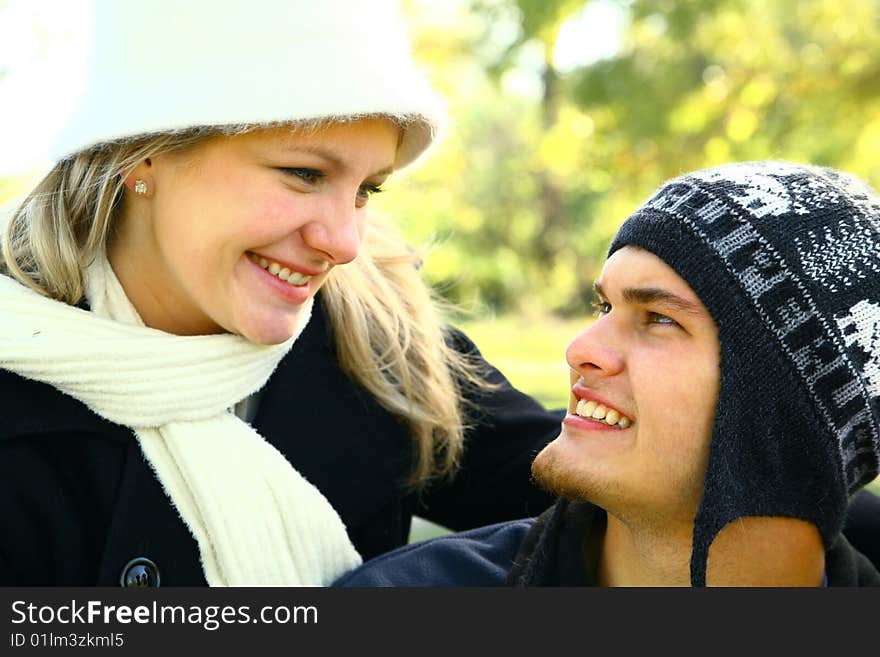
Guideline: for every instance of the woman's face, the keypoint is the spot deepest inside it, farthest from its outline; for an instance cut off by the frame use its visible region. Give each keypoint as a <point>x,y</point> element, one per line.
<point>208,248</point>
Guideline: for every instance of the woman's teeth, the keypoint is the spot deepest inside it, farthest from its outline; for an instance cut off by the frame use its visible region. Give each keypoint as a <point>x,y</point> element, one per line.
<point>599,412</point>
<point>292,277</point>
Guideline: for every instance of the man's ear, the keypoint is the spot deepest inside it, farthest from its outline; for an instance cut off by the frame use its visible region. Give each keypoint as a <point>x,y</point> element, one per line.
<point>139,180</point>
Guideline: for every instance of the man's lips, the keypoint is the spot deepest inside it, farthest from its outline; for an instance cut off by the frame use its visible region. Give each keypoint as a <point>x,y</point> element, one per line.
<point>593,406</point>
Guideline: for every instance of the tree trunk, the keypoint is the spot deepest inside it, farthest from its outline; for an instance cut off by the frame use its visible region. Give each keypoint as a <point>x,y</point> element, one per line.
<point>552,235</point>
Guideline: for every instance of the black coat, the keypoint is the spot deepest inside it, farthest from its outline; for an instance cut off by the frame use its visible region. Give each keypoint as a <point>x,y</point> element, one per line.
<point>78,500</point>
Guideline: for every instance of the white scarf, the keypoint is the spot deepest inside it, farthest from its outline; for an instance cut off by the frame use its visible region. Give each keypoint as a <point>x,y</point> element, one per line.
<point>256,519</point>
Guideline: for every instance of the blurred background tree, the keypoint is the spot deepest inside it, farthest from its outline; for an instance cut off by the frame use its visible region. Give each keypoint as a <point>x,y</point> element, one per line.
<point>568,113</point>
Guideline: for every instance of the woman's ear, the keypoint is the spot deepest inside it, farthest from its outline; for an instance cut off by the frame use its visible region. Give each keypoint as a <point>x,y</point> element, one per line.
<point>139,180</point>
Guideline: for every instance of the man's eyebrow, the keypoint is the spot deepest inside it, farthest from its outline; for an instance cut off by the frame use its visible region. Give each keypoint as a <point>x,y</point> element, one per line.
<point>333,158</point>
<point>645,295</point>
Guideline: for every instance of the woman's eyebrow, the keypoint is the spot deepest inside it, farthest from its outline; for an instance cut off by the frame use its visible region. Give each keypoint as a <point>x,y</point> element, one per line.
<point>644,295</point>
<point>336,160</point>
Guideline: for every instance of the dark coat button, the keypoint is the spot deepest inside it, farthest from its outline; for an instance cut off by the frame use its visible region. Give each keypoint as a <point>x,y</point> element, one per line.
<point>140,572</point>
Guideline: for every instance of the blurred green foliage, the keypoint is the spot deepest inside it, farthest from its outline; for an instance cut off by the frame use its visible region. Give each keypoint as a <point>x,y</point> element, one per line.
<point>541,164</point>
<point>530,353</point>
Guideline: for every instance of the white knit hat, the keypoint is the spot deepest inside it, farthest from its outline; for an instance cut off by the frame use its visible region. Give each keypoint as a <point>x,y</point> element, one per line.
<point>168,65</point>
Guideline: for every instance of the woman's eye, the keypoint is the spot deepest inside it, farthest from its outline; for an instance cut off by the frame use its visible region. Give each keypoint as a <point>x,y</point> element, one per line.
<point>366,190</point>
<point>601,307</point>
<point>657,318</point>
<point>309,176</point>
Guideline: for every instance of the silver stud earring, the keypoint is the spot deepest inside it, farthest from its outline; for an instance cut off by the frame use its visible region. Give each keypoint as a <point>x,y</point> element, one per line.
<point>140,186</point>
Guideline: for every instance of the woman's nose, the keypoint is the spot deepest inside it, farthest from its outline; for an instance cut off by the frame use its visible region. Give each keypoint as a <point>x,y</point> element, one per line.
<point>336,232</point>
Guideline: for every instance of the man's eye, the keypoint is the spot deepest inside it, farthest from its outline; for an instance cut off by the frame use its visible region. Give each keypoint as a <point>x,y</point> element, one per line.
<point>309,176</point>
<point>657,318</point>
<point>601,307</point>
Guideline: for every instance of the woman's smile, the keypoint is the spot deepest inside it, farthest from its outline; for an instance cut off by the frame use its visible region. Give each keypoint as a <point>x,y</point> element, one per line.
<point>295,294</point>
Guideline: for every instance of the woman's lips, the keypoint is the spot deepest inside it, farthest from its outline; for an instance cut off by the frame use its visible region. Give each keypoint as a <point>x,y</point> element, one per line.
<point>294,294</point>
<point>266,261</point>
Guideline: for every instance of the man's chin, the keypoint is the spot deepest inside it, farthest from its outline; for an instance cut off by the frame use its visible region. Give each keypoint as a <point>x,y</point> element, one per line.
<point>555,474</point>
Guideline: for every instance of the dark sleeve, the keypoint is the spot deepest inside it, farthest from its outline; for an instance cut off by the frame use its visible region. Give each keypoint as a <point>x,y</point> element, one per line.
<point>493,484</point>
<point>480,557</point>
<point>862,528</point>
<point>846,566</point>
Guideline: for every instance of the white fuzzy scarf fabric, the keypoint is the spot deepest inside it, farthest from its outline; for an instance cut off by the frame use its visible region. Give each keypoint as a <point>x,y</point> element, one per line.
<point>257,521</point>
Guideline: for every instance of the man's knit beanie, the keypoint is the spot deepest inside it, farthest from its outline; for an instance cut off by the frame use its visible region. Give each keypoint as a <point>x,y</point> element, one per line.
<point>165,66</point>
<point>786,258</point>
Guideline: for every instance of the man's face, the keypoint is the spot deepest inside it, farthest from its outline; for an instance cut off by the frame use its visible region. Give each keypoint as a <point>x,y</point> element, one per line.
<point>651,359</point>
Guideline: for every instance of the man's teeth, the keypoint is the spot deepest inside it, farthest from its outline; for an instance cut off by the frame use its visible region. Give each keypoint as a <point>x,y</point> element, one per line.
<point>599,412</point>
<point>292,277</point>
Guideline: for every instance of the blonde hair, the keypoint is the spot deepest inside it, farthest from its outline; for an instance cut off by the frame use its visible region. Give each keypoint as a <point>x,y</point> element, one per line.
<point>389,335</point>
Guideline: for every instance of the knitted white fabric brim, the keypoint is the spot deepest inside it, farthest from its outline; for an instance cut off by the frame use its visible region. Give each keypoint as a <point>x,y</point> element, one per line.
<point>160,66</point>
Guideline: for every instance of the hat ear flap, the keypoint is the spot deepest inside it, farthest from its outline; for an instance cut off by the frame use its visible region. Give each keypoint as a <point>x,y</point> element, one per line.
<point>765,458</point>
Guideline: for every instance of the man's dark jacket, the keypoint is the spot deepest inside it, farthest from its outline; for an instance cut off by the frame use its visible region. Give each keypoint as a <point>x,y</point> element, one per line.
<point>78,501</point>
<point>561,547</point>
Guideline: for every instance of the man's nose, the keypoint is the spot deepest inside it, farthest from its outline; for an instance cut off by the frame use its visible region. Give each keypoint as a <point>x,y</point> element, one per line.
<point>596,349</point>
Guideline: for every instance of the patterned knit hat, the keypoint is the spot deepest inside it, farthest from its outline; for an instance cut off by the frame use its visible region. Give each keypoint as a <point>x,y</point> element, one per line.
<point>158,66</point>
<point>786,258</point>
